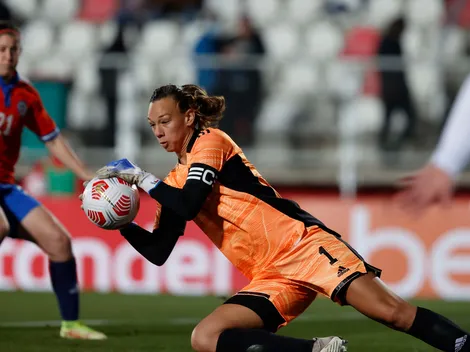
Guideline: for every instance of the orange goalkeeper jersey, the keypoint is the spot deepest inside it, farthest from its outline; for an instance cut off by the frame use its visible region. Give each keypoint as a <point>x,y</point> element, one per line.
<point>243,215</point>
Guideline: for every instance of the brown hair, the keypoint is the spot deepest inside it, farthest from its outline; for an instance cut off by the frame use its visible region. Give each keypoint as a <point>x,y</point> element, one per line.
<point>208,108</point>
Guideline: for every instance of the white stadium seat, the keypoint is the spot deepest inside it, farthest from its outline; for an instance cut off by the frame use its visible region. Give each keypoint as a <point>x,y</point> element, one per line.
<point>298,78</point>
<point>87,78</point>
<point>59,11</point>
<point>424,12</point>
<point>263,12</point>
<point>424,80</point>
<point>323,41</point>
<point>191,33</point>
<point>26,9</point>
<point>227,11</point>
<point>54,67</point>
<point>38,39</point>
<point>454,42</point>
<point>382,12</point>
<point>366,112</point>
<point>281,40</point>
<point>412,42</point>
<point>78,40</point>
<point>146,74</point>
<point>302,11</point>
<point>159,39</point>
<point>343,80</point>
<point>107,33</point>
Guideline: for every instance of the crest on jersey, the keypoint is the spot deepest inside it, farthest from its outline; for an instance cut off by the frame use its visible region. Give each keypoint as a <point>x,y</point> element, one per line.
<point>22,108</point>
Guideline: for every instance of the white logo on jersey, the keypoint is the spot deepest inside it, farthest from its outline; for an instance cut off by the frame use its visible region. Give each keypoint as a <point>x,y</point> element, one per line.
<point>200,174</point>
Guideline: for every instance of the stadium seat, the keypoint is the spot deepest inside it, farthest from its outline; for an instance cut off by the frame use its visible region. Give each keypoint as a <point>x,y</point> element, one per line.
<point>299,78</point>
<point>343,79</point>
<point>424,12</point>
<point>191,33</point>
<point>24,9</point>
<point>59,11</point>
<point>159,39</point>
<point>303,12</point>
<point>454,42</point>
<point>98,11</point>
<point>85,112</point>
<point>86,78</point>
<point>38,39</point>
<point>323,41</point>
<point>282,41</point>
<point>227,11</point>
<point>361,42</point>
<point>146,74</point>
<point>77,40</point>
<point>263,12</point>
<point>366,112</point>
<point>382,12</point>
<point>424,80</point>
<point>25,67</point>
<point>276,113</point>
<point>55,67</point>
<point>107,33</point>
<point>412,42</point>
<point>179,71</point>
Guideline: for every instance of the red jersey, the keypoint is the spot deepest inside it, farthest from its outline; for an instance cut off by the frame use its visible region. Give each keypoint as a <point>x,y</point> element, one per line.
<point>20,106</point>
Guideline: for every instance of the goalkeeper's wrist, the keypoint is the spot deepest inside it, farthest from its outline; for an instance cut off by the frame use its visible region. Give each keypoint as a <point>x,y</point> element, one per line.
<point>149,182</point>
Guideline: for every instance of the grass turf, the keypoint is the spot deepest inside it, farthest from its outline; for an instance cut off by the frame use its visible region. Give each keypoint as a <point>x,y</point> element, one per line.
<point>29,322</point>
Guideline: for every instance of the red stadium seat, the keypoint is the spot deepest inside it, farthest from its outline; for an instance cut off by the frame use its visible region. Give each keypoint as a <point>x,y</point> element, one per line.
<point>98,11</point>
<point>361,42</point>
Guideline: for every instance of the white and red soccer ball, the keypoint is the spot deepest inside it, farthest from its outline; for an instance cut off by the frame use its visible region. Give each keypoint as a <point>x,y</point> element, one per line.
<point>110,203</point>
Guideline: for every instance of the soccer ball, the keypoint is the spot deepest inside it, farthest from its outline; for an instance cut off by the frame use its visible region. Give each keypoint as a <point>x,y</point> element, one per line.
<point>110,203</point>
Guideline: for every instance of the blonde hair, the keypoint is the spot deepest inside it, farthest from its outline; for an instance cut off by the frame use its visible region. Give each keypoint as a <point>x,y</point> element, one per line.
<point>208,108</point>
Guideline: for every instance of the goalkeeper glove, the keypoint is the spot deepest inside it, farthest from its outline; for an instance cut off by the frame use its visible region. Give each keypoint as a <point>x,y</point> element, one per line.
<point>130,173</point>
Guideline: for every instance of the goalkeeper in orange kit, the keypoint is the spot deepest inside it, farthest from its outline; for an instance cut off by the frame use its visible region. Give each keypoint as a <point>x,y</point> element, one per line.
<point>288,255</point>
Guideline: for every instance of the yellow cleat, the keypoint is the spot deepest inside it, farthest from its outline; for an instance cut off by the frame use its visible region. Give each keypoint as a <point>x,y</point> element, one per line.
<point>77,330</point>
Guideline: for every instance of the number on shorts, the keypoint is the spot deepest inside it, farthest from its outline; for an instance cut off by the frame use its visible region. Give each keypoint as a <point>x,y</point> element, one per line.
<point>328,255</point>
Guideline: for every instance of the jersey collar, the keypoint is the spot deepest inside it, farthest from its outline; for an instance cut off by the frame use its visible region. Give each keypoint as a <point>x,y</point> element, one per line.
<point>7,87</point>
<point>192,140</point>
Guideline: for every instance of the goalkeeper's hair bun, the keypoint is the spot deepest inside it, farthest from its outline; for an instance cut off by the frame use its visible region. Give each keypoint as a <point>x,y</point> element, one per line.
<point>208,108</point>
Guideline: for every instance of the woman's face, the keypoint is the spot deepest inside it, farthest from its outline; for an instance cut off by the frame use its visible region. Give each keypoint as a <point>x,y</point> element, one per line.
<point>169,124</point>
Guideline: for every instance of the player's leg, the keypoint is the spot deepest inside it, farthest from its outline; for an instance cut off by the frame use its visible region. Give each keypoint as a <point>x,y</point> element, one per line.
<point>342,274</point>
<point>4,225</point>
<point>247,322</point>
<point>369,295</point>
<point>33,221</point>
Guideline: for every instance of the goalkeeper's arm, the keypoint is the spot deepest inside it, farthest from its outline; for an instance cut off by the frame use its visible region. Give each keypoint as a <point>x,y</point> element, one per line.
<point>156,246</point>
<point>188,201</point>
<point>453,150</point>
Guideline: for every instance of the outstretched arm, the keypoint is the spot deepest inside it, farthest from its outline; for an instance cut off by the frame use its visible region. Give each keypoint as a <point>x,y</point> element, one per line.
<point>434,183</point>
<point>59,148</point>
<point>453,150</point>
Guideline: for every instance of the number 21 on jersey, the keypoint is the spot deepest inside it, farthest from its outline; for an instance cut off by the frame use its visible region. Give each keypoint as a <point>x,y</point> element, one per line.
<point>5,124</point>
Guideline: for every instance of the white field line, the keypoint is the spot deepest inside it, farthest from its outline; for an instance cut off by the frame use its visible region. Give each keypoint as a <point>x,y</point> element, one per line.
<point>346,316</point>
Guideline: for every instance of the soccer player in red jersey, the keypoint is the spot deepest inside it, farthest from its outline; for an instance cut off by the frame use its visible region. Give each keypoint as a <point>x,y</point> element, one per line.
<point>22,216</point>
<point>289,255</point>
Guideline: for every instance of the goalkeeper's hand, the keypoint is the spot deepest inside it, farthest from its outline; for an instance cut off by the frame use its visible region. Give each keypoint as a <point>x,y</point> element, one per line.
<point>130,173</point>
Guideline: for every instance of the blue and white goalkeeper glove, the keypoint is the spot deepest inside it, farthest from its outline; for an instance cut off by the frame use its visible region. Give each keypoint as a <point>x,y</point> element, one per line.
<point>130,173</point>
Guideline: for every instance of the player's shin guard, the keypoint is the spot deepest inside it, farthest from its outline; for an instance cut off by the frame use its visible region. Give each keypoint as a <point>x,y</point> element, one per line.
<point>257,340</point>
<point>439,332</point>
<point>65,285</point>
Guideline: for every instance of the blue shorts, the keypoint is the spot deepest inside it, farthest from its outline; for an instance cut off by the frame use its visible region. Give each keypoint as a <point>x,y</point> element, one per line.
<point>16,204</point>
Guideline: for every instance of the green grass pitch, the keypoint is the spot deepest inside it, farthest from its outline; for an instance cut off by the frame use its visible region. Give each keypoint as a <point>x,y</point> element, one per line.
<point>28,322</point>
